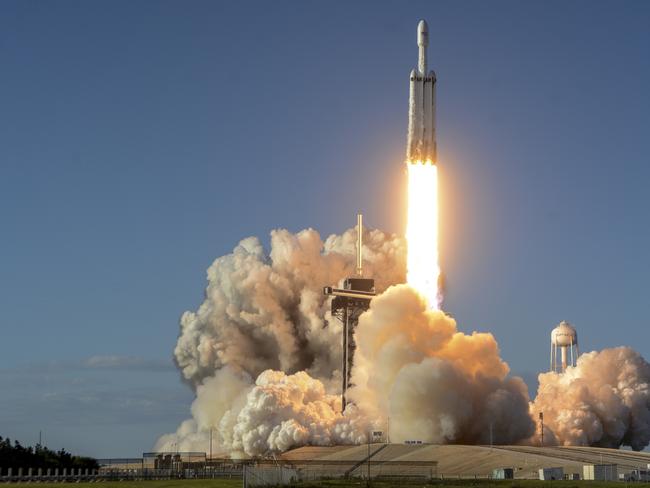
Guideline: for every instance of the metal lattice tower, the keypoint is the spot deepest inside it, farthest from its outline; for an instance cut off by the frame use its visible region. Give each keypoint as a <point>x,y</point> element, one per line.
<point>348,304</point>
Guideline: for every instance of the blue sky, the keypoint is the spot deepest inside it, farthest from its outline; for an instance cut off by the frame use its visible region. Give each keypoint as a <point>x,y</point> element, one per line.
<point>141,140</point>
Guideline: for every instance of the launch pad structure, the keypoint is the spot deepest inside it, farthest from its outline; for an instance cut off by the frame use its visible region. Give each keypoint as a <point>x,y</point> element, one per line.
<point>348,304</point>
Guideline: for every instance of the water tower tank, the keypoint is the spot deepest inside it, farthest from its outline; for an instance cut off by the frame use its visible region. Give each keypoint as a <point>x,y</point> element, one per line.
<point>565,339</point>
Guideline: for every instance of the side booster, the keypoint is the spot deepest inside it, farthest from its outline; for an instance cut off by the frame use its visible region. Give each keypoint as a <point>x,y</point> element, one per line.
<point>421,145</point>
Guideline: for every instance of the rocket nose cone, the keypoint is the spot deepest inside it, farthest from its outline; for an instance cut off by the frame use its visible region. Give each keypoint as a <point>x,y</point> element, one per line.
<point>423,33</point>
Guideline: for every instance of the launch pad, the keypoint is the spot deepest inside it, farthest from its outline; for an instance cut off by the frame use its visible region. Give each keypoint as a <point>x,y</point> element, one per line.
<point>463,461</point>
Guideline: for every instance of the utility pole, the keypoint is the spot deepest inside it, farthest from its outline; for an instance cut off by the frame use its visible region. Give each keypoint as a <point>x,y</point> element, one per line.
<point>211,472</point>
<point>541,421</point>
<point>369,433</point>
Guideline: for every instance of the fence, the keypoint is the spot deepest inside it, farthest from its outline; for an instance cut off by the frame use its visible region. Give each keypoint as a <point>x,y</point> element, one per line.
<point>13,475</point>
<point>256,473</point>
<point>169,465</point>
<point>284,473</point>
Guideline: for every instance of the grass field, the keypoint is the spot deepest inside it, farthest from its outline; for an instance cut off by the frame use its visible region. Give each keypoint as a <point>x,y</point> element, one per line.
<point>472,483</point>
<point>213,483</point>
<point>237,483</point>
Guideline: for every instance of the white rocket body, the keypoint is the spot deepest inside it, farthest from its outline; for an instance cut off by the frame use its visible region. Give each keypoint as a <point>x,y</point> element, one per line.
<point>421,144</point>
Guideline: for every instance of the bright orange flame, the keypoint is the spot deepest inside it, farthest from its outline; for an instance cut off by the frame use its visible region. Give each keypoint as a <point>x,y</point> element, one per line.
<point>423,271</point>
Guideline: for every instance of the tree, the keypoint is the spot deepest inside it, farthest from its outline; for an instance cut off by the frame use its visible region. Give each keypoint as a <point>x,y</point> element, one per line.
<point>39,456</point>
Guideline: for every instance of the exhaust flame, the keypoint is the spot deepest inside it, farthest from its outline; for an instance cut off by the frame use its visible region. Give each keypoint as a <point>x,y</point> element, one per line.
<point>423,270</point>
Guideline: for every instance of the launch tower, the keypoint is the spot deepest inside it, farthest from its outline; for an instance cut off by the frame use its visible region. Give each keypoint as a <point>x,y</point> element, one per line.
<point>348,304</point>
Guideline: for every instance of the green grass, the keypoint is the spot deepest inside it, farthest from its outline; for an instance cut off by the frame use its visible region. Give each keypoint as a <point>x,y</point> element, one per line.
<point>237,483</point>
<point>212,483</point>
<point>470,483</point>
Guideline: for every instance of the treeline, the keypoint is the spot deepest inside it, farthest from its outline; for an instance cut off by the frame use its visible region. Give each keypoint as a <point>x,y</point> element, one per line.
<point>18,456</point>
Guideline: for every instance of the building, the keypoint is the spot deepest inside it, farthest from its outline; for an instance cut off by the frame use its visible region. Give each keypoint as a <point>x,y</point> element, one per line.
<point>600,472</point>
<point>503,474</point>
<point>547,474</point>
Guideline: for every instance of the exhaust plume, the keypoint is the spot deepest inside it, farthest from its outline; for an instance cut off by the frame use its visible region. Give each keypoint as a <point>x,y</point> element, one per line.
<point>603,401</point>
<point>265,367</point>
<point>435,384</point>
<point>423,270</point>
<point>258,352</point>
<point>267,311</point>
<point>273,414</point>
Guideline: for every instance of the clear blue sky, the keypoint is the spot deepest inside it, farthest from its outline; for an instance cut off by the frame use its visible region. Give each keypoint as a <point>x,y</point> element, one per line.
<point>141,140</point>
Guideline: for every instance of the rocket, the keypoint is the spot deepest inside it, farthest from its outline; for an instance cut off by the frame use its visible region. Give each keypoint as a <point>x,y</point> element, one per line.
<point>421,144</point>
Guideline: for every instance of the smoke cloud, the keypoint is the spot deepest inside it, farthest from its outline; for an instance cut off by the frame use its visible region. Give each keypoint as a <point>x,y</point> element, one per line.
<point>263,356</point>
<point>603,401</point>
<point>435,384</point>
<point>274,414</point>
<point>262,351</point>
<point>267,311</point>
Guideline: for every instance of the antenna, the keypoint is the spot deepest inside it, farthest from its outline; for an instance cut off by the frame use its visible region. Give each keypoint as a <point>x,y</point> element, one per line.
<point>360,244</point>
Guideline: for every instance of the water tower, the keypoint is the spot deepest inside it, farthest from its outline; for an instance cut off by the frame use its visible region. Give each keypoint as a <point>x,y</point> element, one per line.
<point>565,338</point>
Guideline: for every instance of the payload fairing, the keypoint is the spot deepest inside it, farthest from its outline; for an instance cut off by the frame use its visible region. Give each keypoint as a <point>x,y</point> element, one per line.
<point>421,145</point>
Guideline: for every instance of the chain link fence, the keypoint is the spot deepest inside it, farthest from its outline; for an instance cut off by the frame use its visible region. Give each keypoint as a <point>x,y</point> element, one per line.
<point>281,473</point>
<point>169,465</point>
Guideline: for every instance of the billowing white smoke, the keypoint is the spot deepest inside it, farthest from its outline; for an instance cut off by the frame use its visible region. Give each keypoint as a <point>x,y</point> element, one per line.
<point>267,311</point>
<point>433,383</point>
<point>266,368</point>
<point>603,401</point>
<point>264,315</point>
<point>276,413</point>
